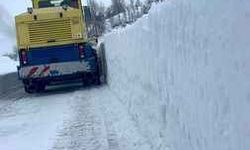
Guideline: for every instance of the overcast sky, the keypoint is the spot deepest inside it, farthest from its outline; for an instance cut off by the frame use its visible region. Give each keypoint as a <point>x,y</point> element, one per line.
<point>17,6</point>
<point>8,10</point>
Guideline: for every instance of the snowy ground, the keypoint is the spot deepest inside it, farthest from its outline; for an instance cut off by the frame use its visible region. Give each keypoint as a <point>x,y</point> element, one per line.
<point>31,123</point>
<point>7,65</point>
<point>178,79</point>
<point>68,120</point>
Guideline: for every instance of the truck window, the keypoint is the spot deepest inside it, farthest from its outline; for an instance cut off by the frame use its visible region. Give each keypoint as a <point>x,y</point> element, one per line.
<point>57,3</point>
<point>45,4</point>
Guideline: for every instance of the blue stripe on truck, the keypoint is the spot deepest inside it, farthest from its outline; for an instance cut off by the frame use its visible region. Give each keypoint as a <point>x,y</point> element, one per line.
<point>53,54</point>
<point>64,60</point>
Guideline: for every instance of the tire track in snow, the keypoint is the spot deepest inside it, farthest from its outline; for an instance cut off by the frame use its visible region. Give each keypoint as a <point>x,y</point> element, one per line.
<point>111,134</point>
<point>89,128</point>
<point>84,131</point>
<point>121,130</point>
<point>112,138</point>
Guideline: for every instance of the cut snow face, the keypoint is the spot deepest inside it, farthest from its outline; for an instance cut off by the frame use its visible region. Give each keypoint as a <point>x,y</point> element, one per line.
<point>183,74</point>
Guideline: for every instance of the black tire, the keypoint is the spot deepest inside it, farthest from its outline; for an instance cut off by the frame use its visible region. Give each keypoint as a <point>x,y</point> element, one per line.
<point>85,80</point>
<point>40,87</point>
<point>96,79</point>
<point>91,79</point>
<point>102,64</point>
<point>29,89</point>
<point>34,87</point>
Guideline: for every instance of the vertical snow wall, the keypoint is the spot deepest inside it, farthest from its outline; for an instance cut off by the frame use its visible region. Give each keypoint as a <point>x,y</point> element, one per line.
<point>183,74</point>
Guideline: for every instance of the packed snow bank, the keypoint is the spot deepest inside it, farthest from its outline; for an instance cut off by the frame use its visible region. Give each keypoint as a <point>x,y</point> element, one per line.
<point>183,74</point>
<point>7,65</point>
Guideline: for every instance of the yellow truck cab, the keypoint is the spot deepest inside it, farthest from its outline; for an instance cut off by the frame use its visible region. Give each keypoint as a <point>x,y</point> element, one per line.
<point>53,47</point>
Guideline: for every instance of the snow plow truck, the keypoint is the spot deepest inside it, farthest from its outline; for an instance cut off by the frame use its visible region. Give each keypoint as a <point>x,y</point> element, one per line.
<point>54,48</point>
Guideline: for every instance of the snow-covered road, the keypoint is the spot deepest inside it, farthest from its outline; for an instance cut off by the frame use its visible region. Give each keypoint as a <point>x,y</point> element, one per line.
<point>177,79</point>
<point>66,118</point>
<point>31,122</point>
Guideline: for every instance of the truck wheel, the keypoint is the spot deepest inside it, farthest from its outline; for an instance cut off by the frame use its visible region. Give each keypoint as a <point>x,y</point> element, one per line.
<point>96,79</point>
<point>91,79</point>
<point>102,64</point>
<point>86,80</point>
<point>29,88</point>
<point>40,87</point>
<point>36,87</point>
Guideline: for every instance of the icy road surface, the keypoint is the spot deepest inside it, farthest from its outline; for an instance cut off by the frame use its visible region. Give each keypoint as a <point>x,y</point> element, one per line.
<point>71,118</point>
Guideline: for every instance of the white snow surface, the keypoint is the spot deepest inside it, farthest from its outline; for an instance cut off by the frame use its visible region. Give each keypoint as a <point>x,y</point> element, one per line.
<point>32,123</point>
<point>182,72</point>
<point>7,65</point>
<point>177,79</point>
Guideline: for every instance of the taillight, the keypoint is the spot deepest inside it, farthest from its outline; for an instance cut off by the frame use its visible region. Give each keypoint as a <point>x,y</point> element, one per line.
<point>24,58</point>
<point>81,51</point>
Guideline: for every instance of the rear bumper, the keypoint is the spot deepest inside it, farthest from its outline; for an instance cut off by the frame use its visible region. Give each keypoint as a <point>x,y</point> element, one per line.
<point>54,70</point>
<point>58,80</point>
